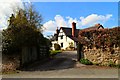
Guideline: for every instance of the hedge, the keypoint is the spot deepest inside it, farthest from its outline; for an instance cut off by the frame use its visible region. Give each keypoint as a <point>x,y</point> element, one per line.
<point>101,38</point>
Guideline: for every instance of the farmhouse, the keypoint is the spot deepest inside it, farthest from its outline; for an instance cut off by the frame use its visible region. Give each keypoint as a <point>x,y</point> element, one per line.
<point>67,37</point>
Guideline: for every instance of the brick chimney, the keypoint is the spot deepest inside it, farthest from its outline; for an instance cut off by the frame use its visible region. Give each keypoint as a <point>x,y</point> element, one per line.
<point>57,31</point>
<point>73,29</point>
<point>97,25</point>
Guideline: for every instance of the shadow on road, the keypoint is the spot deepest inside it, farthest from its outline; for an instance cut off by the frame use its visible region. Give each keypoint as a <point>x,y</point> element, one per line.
<point>63,60</point>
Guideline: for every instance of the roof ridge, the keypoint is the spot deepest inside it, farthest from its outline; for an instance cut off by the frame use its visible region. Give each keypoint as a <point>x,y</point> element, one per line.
<point>68,28</point>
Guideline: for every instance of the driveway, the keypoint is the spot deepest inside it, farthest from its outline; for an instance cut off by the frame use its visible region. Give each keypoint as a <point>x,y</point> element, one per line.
<point>64,65</point>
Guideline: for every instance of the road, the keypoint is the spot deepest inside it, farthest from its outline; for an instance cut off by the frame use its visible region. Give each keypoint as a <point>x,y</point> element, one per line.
<point>64,65</point>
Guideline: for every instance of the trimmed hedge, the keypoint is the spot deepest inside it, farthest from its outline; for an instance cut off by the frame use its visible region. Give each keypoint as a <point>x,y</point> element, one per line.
<point>101,38</point>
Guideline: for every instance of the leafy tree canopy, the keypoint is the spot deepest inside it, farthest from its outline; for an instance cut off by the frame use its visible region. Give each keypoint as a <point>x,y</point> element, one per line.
<point>24,29</point>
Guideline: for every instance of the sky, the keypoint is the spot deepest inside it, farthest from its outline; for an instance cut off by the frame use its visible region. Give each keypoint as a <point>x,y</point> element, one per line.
<point>85,14</point>
<point>62,14</point>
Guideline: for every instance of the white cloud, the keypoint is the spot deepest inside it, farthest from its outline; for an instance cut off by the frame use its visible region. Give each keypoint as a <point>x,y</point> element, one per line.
<point>70,20</point>
<point>50,26</point>
<point>94,18</point>
<point>7,7</point>
<point>60,21</point>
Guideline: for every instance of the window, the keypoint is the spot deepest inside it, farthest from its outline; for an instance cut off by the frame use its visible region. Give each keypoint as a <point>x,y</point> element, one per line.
<point>62,37</point>
<point>61,44</point>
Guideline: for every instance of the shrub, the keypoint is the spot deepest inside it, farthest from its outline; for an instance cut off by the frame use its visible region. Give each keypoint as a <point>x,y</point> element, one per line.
<point>112,64</point>
<point>85,61</point>
<point>55,52</point>
<point>57,46</point>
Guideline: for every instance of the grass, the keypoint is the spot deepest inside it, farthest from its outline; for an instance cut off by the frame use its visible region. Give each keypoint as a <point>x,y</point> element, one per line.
<point>52,53</point>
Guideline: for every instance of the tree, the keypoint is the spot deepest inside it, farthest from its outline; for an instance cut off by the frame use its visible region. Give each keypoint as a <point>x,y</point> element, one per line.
<point>48,42</point>
<point>24,29</point>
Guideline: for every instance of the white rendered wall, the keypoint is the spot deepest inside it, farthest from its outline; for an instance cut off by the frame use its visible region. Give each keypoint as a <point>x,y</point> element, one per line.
<point>66,40</point>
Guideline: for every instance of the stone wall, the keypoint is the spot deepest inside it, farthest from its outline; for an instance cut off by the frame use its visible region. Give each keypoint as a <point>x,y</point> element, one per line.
<point>106,57</point>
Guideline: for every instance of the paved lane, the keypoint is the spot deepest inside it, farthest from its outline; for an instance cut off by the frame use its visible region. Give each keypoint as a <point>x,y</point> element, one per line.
<point>63,60</point>
<point>63,65</point>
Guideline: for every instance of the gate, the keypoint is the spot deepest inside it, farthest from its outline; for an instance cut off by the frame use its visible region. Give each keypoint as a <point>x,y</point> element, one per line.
<point>79,51</point>
<point>32,54</point>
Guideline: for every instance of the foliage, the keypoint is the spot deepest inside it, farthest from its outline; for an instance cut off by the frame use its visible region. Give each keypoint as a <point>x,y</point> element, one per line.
<point>85,61</point>
<point>112,64</point>
<point>24,29</point>
<point>48,42</point>
<point>55,52</point>
<point>71,45</point>
<point>103,38</point>
<point>57,46</point>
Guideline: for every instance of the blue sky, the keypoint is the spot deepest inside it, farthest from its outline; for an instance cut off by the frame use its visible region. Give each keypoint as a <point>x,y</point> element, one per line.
<point>84,13</point>
<point>58,14</point>
<point>75,9</point>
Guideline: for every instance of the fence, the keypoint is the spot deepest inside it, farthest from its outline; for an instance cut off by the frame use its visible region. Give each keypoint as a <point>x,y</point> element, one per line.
<point>31,54</point>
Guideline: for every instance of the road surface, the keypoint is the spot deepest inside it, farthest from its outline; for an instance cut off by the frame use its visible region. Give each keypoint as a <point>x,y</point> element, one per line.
<point>64,65</point>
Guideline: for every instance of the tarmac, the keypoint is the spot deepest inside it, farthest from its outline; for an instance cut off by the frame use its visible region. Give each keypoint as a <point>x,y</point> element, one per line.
<point>64,66</point>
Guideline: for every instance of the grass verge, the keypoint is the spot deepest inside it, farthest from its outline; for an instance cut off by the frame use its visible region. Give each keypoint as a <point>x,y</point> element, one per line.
<point>52,53</point>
